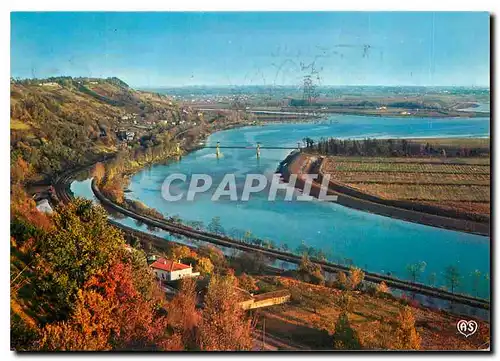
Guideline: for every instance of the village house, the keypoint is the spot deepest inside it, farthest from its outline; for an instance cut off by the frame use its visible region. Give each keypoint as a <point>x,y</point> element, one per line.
<point>44,206</point>
<point>50,83</point>
<point>168,270</point>
<point>125,135</point>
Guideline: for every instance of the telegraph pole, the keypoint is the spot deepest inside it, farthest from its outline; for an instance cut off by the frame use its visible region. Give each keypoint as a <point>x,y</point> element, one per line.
<point>264,335</point>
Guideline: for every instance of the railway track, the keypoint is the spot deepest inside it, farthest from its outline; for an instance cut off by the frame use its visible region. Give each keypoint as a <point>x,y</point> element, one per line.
<point>62,183</point>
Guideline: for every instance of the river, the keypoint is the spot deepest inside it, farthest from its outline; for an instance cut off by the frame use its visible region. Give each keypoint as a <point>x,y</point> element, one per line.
<point>376,243</point>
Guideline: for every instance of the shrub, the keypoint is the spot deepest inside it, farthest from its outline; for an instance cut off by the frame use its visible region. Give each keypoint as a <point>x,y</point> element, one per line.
<point>345,337</point>
<point>310,272</point>
<point>342,281</point>
<point>356,277</point>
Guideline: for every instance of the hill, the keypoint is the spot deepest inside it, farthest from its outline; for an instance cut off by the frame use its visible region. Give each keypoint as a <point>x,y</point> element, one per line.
<point>64,122</point>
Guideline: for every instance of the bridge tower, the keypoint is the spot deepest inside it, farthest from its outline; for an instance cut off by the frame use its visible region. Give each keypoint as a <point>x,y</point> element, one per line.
<point>258,150</point>
<point>217,150</point>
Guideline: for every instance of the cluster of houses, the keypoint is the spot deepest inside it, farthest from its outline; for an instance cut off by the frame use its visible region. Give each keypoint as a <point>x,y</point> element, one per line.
<point>125,135</point>
<point>129,116</point>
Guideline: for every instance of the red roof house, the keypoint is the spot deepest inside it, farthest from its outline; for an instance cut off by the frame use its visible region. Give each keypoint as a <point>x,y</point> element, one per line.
<point>169,270</point>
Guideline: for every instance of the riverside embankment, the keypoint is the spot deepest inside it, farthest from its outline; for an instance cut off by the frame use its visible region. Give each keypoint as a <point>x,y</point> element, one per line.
<point>303,164</point>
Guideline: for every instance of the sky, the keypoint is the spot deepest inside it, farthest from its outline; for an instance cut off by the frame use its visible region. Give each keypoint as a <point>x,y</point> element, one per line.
<point>164,49</point>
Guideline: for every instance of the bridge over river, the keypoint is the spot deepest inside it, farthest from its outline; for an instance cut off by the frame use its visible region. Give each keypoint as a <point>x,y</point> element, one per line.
<point>258,147</point>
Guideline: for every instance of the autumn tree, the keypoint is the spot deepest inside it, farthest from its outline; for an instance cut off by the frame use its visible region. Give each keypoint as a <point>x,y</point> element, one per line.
<point>406,336</point>
<point>342,281</point>
<point>215,255</point>
<point>224,326</point>
<point>20,170</point>
<point>111,315</point>
<point>247,282</point>
<point>26,220</point>
<point>382,288</point>
<point>356,277</point>
<point>88,330</point>
<point>204,266</point>
<point>113,188</point>
<point>178,252</point>
<point>345,301</point>
<point>183,316</point>
<point>98,172</point>
<point>249,262</point>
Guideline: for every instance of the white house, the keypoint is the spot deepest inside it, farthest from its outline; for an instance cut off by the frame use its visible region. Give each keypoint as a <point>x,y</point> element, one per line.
<point>44,206</point>
<point>168,270</point>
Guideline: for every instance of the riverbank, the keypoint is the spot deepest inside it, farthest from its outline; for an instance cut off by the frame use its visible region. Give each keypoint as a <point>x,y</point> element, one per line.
<point>313,113</point>
<point>222,240</point>
<point>176,228</point>
<point>302,164</point>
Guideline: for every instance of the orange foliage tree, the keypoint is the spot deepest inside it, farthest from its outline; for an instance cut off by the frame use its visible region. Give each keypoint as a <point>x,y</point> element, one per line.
<point>407,337</point>
<point>19,171</point>
<point>224,326</point>
<point>99,172</point>
<point>183,316</point>
<point>111,315</point>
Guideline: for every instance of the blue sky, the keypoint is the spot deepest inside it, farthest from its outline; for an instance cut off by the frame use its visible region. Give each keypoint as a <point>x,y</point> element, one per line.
<point>172,49</point>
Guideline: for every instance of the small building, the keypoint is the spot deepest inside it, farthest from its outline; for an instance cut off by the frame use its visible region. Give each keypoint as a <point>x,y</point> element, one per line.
<point>125,135</point>
<point>168,270</point>
<point>44,206</point>
<point>267,299</point>
<point>130,135</point>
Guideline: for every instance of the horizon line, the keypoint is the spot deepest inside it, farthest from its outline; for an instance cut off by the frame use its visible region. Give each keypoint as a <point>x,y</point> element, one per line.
<point>317,86</point>
<point>488,86</point>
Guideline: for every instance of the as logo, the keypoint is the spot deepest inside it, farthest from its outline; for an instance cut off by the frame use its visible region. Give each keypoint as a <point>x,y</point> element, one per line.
<point>467,328</point>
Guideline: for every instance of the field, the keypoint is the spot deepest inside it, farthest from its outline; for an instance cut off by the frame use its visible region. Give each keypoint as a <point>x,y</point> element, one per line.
<point>308,320</point>
<point>461,184</point>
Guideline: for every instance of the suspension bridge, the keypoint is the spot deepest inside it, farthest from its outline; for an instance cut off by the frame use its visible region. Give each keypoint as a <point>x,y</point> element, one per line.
<point>258,147</point>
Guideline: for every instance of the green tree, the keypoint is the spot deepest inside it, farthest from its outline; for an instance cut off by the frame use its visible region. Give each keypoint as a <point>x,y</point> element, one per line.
<point>476,279</point>
<point>345,301</point>
<point>415,270</point>
<point>310,272</point>
<point>247,237</point>
<point>452,277</point>
<point>432,279</point>
<point>215,226</point>
<point>345,337</point>
<point>81,243</point>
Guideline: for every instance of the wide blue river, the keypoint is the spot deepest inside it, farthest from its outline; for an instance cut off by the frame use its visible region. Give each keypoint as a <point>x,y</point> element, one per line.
<point>370,241</point>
